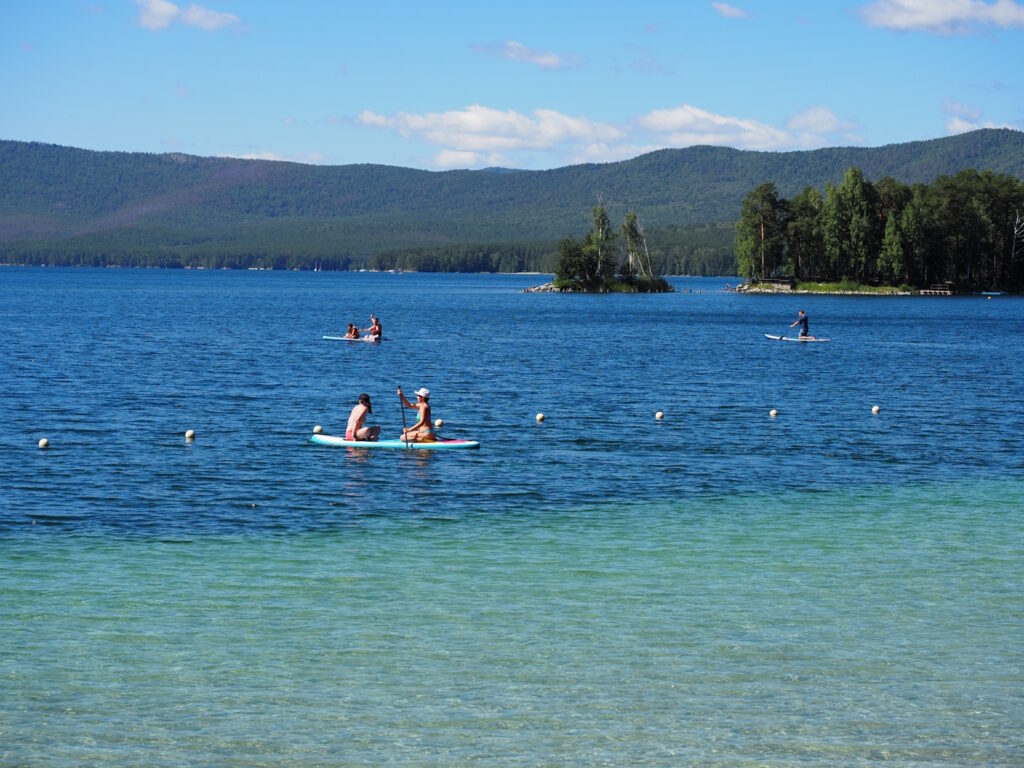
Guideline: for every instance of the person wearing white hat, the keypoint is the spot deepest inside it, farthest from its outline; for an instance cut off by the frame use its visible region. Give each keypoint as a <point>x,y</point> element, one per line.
<point>423,430</point>
<point>375,330</point>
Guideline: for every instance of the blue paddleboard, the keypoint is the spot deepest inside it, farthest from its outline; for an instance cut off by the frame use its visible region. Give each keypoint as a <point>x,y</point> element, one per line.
<point>437,445</point>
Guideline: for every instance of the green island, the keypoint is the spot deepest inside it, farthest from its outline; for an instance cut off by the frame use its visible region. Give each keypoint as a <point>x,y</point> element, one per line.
<point>961,233</point>
<point>590,265</point>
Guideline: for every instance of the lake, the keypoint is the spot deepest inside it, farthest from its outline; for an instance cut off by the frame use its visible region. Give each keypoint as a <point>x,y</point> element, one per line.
<point>828,586</point>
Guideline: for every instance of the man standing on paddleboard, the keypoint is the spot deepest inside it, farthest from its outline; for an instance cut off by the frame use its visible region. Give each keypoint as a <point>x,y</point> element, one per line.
<point>801,320</point>
<point>356,429</point>
<point>423,430</point>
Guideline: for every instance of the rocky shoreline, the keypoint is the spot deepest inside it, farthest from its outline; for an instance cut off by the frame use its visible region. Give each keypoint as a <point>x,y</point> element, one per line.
<point>785,289</point>
<point>759,288</point>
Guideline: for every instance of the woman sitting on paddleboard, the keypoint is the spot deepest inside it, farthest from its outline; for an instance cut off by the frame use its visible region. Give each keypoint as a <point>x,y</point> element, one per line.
<point>356,429</point>
<point>353,332</point>
<point>423,430</point>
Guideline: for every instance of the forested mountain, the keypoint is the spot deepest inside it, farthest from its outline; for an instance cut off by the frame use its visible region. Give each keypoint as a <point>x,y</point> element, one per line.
<point>65,205</point>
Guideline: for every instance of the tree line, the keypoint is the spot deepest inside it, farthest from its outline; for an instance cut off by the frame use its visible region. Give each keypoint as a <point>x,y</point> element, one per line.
<point>704,249</point>
<point>965,230</point>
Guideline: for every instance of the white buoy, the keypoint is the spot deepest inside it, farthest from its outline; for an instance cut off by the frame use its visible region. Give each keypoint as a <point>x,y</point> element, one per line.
<point>540,417</point>
<point>438,423</point>
<point>190,434</point>
<point>44,443</point>
<point>659,415</point>
<point>773,413</point>
<point>875,409</point>
<point>317,429</point>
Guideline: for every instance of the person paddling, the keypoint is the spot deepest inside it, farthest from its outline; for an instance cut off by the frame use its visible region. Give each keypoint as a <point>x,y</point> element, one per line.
<point>375,330</point>
<point>801,320</point>
<point>357,429</point>
<point>423,430</point>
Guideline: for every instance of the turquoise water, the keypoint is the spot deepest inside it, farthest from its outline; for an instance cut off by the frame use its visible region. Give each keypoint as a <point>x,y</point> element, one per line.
<point>828,587</point>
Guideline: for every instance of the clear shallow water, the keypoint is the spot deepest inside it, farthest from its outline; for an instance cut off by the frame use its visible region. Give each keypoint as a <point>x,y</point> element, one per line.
<point>824,588</point>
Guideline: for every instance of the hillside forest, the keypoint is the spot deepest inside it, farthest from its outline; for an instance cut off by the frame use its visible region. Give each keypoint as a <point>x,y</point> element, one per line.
<point>68,206</point>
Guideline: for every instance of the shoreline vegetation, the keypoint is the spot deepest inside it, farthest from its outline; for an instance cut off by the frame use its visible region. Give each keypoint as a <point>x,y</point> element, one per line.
<point>826,289</point>
<point>959,234</point>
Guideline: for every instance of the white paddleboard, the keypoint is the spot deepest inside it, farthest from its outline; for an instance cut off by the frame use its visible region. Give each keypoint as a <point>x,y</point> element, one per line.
<point>346,338</point>
<point>804,339</point>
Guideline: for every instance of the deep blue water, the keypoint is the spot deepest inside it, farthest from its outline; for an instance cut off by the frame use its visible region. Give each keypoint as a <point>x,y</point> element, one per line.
<point>826,587</point>
<point>114,366</point>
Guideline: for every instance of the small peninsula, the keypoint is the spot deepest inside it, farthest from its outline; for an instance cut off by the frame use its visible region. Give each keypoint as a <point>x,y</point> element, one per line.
<point>959,234</point>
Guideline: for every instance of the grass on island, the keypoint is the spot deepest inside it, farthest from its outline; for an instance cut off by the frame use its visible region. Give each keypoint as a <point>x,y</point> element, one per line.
<point>851,286</point>
<point>635,285</point>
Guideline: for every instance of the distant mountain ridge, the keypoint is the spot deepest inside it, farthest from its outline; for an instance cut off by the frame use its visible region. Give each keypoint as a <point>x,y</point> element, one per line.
<point>62,199</point>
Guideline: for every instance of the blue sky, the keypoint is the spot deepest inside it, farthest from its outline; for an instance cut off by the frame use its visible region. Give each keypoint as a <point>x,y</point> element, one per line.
<point>525,84</point>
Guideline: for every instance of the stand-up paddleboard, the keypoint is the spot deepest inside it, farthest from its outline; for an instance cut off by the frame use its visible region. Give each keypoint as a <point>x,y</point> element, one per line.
<point>805,339</point>
<point>346,338</point>
<point>437,445</point>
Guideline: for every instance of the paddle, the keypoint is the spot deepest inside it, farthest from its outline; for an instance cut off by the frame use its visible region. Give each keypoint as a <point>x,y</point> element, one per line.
<point>405,433</point>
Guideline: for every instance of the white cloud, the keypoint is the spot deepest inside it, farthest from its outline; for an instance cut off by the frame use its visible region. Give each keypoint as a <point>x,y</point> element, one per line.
<point>960,110</point>
<point>964,118</point>
<point>687,125</point>
<point>477,135</point>
<point>815,119</point>
<point>482,129</point>
<point>160,14</point>
<point>516,51</point>
<point>156,14</point>
<point>308,158</point>
<point>452,158</point>
<point>958,125</point>
<point>944,17</point>
<point>204,18</point>
<point>730,11</point>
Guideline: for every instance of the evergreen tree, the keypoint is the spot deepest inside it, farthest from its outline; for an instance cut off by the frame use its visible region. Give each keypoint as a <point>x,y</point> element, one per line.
<point>891,260</point>
<point>803,233</point>
<point>569,267</point>
<point>759,240</point>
